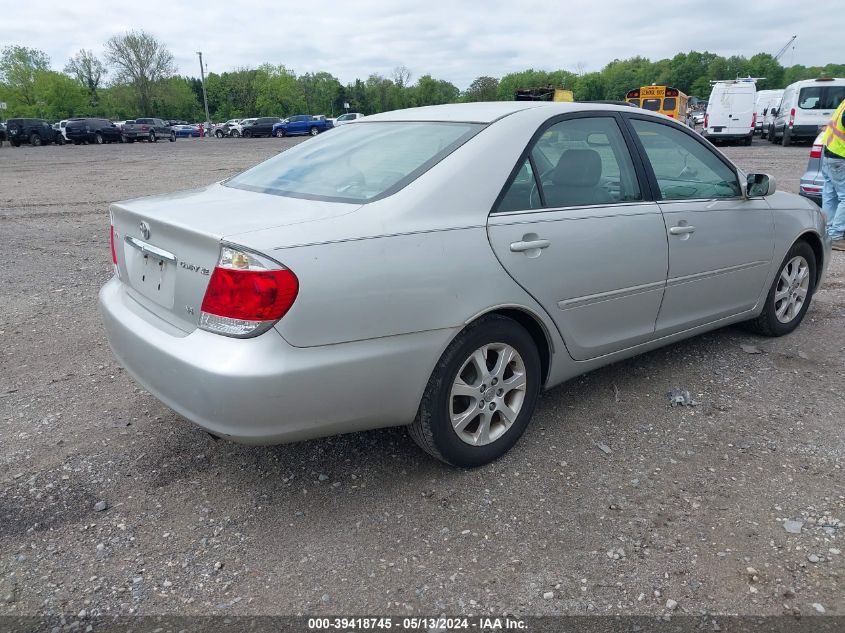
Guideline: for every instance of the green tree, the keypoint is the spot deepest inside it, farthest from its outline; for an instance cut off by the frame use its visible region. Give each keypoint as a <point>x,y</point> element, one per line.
<point>278,93</point>
<point>59,97</point>
<point>140,60</point>
<point>482,89</point>
<point>18,69</point>
<point>431,91</point>
<point>88,70</point>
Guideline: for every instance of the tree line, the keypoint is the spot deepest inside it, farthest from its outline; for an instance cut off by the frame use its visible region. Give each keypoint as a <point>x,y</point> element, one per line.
<point>137,77</point>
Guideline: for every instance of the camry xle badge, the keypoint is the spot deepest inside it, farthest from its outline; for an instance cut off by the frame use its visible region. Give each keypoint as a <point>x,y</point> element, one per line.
<point>145,230</point>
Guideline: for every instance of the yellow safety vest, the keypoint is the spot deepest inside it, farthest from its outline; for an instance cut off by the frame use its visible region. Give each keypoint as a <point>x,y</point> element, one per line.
<point>834,134</point>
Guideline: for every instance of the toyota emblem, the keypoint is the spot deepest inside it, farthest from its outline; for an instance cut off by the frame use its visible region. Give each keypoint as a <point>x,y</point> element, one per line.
<point>145,230</point>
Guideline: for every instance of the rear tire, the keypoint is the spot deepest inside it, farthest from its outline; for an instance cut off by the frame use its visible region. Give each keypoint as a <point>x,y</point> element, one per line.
<point>786,139</point>
<point>796,276</point>
<point>510,387</point>
<point>247,134</point>
<point>280,133</point>
<point>235,134</point>
<point>219,134</point>
<point>153,138</point>
<point>313,131</point>
<point>173,137</point>
<point>35,139</point>
<point>748,139</point>
<point>98,138</point>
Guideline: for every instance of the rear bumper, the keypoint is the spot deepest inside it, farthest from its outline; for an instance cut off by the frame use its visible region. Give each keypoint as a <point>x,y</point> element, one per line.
<point>811,187</point>
<point>721,136</point>
<point>263,390</point>
<point>804,131</point>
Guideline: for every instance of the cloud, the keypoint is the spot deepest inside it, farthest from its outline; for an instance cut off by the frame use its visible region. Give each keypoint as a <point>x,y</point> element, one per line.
<point>454,40</point>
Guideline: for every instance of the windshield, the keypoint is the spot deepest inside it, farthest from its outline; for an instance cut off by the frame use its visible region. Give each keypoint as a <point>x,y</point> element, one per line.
<point>357,163</point>
<point>821,97</point>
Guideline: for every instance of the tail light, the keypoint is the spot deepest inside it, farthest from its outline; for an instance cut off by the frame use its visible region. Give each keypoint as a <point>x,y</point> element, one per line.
<point>706,119</point>
<point>754,121</point>
<point>791,117</point>
<point>816,151</point>
<point>144,128</point>
<point>113,250</point>
<point>671,115</point>
<point>247,294</point>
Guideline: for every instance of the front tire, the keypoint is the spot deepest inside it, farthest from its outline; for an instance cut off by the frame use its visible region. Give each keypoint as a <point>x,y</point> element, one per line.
<point>35,140</point>
<point>280,133</point>
<point>173,137</point>
<point>313,131</point>
<point>235,134</point>
<point>98,138</point>
<point>219,134</point>
<point>153,138</point>
<point>481,395</point>
<point>789,297</point>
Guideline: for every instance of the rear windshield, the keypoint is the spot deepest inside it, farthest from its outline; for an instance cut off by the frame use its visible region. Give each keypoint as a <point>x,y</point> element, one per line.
<point>821,97</point>
<point>144,121</point>
<point>669,103</point>
<point>357,163</point>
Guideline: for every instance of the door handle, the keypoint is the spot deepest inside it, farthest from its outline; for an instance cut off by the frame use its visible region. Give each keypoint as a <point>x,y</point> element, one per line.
<point>681,230</point>
<point>531,245</point>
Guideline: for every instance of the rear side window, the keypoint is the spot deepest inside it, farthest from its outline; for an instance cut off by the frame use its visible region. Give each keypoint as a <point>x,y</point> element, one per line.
<point>357,163</point>
<point>821,97</point>
<point>685,169</point>
<point>576,162</point>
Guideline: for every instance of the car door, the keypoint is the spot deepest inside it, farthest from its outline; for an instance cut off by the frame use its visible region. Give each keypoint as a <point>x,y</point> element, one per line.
<point>575,228</point>
<point>720,242</point>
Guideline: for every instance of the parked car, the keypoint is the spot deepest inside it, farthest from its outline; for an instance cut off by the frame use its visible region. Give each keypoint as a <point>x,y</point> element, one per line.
<point>423,252</point>
<point>225,129</point>
<point>812,182</point>
<point>348,118</point>
<point>36,132</point>
<point>186,131</point>
<point>262,126</point>
<point>237,129</point>
<point>2,133</point>
<point>730,112</point>
<point>301,124</point>
<point>92,130</point>
<point>147,130</point>
<point>805,106</point>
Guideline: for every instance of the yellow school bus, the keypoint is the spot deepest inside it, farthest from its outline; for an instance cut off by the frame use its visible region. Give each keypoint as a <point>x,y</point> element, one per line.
<point>663,99</point>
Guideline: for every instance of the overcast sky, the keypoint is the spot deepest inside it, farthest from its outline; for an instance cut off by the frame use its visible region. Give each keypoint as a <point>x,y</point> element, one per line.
<point>455,40</point>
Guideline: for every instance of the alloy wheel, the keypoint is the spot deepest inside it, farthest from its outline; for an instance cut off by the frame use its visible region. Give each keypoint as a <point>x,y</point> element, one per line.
<point>791,292</point>
<point>487,394</point>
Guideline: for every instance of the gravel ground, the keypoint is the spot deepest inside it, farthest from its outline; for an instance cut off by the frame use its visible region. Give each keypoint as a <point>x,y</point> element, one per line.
<point>613,502</point>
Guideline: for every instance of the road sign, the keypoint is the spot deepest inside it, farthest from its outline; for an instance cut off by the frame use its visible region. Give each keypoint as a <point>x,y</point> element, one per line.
<point>2,105</point>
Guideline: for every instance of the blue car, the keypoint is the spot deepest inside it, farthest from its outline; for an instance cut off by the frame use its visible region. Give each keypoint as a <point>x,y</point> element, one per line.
<point>185,131</point>
<point>301,124</point>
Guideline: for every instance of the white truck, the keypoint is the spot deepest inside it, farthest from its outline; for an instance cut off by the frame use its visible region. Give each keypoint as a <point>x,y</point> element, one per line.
<point>730,111</point>
<point>767,101</point>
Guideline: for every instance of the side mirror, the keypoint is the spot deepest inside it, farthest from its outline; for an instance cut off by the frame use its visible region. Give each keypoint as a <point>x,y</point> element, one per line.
<point>759,185</point>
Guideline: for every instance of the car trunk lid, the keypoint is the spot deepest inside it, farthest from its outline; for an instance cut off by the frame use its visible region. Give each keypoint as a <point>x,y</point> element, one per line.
<point>167,246</point>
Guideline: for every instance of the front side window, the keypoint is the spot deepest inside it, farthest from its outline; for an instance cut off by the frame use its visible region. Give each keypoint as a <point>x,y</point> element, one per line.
<point>576,162</point>
<point>357,163</point>
<point>684,168</point>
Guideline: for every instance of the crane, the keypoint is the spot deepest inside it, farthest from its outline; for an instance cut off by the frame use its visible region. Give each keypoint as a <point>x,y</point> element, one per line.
<point>780,53</point>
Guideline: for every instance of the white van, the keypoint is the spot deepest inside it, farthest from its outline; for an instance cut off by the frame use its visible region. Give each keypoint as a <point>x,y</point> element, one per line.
<point>730,111</point>
<point>806,106</point>
<point>767,100</point>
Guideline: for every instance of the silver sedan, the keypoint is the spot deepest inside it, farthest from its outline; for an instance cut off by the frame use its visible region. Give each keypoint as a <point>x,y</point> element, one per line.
<point>438,267</point>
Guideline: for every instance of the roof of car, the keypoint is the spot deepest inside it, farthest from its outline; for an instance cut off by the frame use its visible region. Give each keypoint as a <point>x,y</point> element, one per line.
<point>485,111</point>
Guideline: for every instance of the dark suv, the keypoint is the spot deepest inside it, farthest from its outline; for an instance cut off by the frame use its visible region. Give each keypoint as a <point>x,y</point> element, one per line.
<point>33,131</point>
<point>261,127</point>
<point>97,131</point>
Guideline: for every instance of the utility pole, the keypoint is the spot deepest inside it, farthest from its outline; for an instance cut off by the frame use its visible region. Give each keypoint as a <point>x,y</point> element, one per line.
<point>204,96</point>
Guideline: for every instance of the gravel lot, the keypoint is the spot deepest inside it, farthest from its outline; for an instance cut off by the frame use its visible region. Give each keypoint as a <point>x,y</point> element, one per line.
<point>687,504</point>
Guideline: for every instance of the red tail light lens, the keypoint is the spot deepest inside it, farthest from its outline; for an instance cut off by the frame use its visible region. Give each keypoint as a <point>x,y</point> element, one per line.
<point>111,239</point>
<point>754,121</point>
<point>706,119</point>
<point>791,117</point>
<point>816,151</point>
<point>247,294</point>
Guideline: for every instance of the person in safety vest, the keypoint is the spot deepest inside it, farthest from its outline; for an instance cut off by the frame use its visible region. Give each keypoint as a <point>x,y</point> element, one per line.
<point>833,171</point>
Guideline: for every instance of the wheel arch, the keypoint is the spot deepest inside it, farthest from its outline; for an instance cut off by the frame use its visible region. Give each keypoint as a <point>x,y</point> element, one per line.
<point>535,328</point>
<point>815,243</point>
